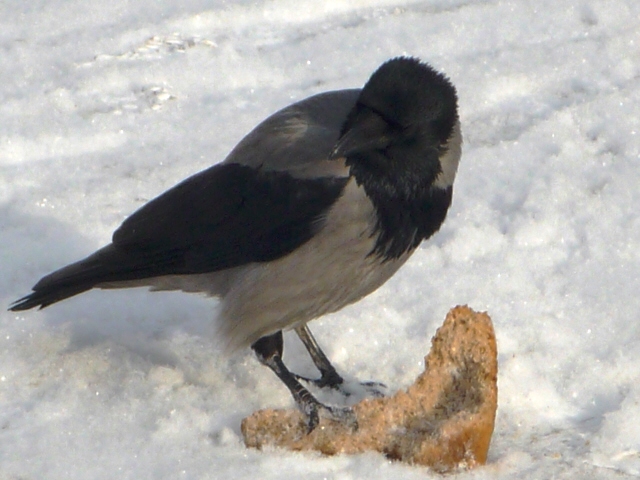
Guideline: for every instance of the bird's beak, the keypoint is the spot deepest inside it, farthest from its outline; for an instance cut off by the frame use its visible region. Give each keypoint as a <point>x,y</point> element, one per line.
<point>369,132</point>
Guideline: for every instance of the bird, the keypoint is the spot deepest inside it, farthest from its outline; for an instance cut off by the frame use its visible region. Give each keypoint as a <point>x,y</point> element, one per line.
<point>315,208</point>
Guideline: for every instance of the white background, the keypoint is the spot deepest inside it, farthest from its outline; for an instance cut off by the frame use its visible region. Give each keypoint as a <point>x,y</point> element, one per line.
<point>104,105</point>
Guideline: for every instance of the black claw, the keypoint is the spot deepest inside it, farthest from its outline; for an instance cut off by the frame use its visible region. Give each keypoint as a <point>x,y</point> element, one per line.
<point>311,412</point>
<point>322,382</point>
<point>343,415</point>
<point>374,389</point>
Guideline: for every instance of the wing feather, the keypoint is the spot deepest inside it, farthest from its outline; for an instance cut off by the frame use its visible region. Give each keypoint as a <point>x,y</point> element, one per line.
<point>269,196</point>
<point>226,216</point>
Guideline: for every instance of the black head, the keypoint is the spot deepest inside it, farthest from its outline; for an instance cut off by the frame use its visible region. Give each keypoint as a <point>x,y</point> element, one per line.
<point>401,125</point>
<point>411,95</point>
<point>401,142</point>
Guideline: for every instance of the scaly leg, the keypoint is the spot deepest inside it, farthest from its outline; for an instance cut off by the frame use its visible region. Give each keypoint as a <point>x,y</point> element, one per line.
<point>329,377</point>
<point>269,351</point>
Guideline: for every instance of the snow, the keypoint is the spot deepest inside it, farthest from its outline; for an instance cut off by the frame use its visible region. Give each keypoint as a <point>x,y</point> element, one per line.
<point>105,105</point>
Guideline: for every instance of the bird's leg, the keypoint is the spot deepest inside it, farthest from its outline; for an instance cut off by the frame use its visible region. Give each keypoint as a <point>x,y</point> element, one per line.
<point>329,376</point>
<point>269,351</point>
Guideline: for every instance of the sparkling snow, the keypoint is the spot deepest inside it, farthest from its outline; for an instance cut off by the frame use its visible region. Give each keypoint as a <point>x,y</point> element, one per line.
<point>104,105</point>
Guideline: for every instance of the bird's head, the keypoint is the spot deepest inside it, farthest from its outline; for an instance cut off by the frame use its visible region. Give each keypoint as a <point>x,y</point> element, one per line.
<point>403,132</point>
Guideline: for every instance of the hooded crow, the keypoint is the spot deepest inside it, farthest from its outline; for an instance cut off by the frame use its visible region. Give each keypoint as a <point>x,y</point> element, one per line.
<point>315,208</point>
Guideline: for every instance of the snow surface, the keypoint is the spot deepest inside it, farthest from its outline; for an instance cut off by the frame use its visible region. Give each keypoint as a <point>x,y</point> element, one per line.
<point>104,105</point>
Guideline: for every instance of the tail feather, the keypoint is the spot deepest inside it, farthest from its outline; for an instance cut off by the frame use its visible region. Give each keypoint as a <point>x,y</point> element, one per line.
<point>110,267</point>
<point>72,280</point>
<point>44,297</point>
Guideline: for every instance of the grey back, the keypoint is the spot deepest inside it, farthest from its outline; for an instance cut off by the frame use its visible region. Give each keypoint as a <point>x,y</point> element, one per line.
<point>299,138</point>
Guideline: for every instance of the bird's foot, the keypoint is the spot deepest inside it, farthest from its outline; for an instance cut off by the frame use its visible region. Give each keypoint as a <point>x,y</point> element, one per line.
<point>314,410</point>
<point>374,389</point>
<point>330,380</point>
<point>337,383</point>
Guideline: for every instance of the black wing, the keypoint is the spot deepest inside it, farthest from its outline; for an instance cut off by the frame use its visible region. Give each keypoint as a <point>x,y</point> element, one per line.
<point>226,216</point>
<point>267,198</point>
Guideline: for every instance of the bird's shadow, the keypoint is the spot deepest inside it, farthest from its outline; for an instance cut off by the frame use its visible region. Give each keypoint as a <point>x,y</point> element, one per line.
<point>141,321</point>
